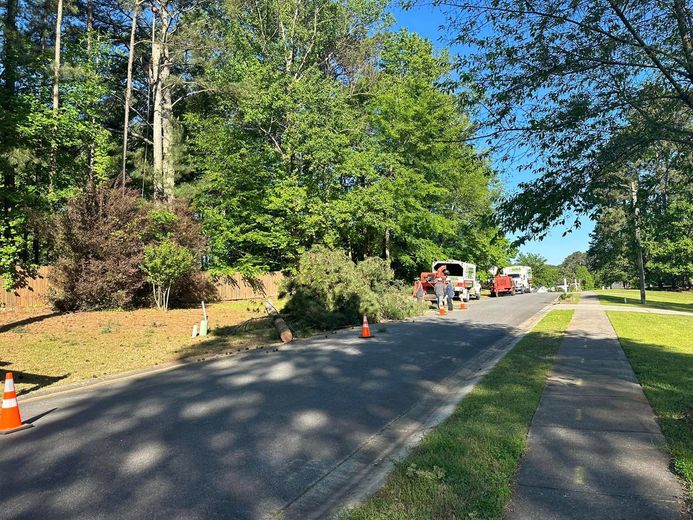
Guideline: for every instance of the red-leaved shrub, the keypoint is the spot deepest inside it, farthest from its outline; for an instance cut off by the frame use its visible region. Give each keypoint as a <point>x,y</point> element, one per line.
<point>100,240</point>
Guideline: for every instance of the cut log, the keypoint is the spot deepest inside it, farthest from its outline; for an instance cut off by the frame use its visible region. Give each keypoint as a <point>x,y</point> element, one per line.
<point>279,323</point>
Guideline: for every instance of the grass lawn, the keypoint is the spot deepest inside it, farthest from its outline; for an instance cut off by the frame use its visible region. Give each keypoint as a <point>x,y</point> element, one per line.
<point>660,349</point>
<point>43,348</point>
<point>465,467</point>
<point>675,301</point>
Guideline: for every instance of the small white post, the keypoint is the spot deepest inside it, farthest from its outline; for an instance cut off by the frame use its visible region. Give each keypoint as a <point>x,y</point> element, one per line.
<point>194,331</point>
<point>203,323</point>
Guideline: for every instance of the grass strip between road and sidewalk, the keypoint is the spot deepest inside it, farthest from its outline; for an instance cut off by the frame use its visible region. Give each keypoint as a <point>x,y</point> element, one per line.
<point>660,350</point>
<point>464,468</point>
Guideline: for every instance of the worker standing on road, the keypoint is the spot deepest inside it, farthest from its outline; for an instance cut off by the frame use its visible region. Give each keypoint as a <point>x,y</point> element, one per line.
<point>418,291</point>
<point>439,291</point>
<point>450,291</point>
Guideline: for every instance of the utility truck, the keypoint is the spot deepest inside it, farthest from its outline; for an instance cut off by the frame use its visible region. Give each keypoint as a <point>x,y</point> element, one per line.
<point>462,275</point>
<point>521,275</point>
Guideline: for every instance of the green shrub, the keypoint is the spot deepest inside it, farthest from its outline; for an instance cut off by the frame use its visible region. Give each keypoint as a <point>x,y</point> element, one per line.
<point>399,305</point>
<point>328,291</point>
<point>166,264</point>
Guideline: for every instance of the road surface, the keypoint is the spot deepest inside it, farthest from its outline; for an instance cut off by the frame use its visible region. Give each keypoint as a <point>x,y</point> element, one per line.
<point>250,436</point>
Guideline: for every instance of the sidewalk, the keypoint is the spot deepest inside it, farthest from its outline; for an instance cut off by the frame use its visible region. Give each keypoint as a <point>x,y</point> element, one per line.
<point>595,450</point>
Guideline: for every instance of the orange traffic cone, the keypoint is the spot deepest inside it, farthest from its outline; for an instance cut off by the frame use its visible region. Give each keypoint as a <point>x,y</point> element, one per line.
<point>365,329</point>
<point>10,420</point>
<point>462,306</point>
<point>442,311</point>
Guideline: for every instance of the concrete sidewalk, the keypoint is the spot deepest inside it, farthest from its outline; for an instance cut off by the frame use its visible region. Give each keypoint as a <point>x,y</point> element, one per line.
<point>595,449</point>
<point>622,308</point>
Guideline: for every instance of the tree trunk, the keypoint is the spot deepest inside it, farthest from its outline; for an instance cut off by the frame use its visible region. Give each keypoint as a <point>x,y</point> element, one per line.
<point>638,241</point>
<point>163,124</point>
<point>387,244</point>
<point>56,93</point>
<point>279,323</point>
<point>168,168</point>
<point>128,93</point>
<point>92,146</point>
<point>167,123</point>
<point>157,94</point>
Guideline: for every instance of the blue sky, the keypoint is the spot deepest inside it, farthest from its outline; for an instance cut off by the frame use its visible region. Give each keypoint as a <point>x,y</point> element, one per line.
<point>428,22</point>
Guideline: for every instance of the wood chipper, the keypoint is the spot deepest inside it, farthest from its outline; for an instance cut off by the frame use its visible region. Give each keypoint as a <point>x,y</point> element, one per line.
<point>428,281</point>
<point>501,284</point>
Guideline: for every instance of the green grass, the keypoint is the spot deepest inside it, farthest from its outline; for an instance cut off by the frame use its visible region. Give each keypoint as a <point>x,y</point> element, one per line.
<point>660,349</point>
<point>670,300</point>
<point>45,349</point>
<point>465,467</point>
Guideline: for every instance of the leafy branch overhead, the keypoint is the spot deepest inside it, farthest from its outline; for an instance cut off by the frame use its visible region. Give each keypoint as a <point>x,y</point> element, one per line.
<point>588,87</point>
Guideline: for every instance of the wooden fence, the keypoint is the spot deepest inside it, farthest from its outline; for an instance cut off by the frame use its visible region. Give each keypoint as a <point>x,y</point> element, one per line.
<point>240,288</point>
<point>35,293</point>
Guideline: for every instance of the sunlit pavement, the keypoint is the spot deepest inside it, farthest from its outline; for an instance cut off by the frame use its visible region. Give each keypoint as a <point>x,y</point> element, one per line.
<point>238,437</point>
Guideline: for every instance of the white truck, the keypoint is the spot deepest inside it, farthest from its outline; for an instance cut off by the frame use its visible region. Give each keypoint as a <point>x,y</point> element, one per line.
<point>521,275</point>
<point>463,278</point>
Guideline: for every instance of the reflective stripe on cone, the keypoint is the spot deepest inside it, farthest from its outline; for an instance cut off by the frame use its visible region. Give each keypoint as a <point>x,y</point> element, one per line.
<point>10,418</point>
<point>365,329</point>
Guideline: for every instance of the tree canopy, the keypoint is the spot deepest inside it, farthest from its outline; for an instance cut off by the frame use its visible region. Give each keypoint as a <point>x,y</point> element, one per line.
<point>281,124</point>
<point>587,87</point>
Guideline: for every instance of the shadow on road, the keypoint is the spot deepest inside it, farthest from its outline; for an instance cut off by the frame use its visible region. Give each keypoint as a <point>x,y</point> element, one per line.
<point>237,437</point>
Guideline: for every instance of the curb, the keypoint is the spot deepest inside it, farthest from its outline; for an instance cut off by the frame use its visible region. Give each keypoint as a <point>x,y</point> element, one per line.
<point>130,374</point>
<point>95,382</point>
<point>358,476</point>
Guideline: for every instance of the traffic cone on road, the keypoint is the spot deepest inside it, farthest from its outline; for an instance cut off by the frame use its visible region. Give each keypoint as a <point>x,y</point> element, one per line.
<point>365,329</point>
<point>10,419</point>
<point>442,311</point>
<point>463,306</point>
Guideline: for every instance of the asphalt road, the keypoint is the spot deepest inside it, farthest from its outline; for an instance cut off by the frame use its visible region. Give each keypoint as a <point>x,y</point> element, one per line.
<point>238,437</point>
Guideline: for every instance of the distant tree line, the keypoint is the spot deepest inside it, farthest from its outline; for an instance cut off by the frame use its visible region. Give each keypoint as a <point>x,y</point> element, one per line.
<point>574,267</point>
